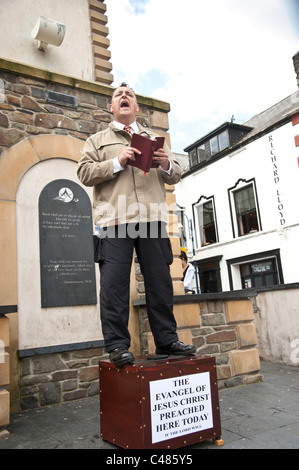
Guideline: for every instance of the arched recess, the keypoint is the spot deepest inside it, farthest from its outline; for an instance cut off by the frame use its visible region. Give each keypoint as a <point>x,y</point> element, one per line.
<point>24,171</point>
<point>13,165</point>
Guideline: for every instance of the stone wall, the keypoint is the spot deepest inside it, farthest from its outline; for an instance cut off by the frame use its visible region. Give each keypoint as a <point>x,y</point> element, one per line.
<point>26,109</point>
<point>100,42</point>
<point>222,328</point>
<point>59,377</point>
<point>219,327</point>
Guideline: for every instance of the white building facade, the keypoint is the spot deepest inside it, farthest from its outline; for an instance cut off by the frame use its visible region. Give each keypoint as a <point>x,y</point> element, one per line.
<point>241,194</point>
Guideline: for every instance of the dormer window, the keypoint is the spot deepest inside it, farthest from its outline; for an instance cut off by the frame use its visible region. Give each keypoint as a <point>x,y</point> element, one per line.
<point>219,142</point>
<point>197,155</point>
<point>223,137</point>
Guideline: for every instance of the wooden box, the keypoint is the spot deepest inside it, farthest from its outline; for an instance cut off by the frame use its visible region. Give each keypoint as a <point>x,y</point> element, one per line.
<point>159,404</point>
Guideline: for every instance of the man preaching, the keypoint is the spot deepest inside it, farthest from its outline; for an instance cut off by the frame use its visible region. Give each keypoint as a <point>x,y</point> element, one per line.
<point>130,209</point>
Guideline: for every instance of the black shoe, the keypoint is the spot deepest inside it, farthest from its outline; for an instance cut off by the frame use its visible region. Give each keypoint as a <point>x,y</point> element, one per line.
<point>121,356</point>
<point>177,349</point>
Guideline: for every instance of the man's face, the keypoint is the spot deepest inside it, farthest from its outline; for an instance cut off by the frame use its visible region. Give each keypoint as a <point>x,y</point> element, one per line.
<point>124,105</point>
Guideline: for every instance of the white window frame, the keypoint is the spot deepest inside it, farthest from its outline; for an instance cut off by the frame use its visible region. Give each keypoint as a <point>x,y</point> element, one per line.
<point>241,184</point>
<point>197,223</point>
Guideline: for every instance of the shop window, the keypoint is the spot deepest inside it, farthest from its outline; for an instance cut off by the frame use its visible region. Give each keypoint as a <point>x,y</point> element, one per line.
<point>255,271</point>
<point>262,273</point>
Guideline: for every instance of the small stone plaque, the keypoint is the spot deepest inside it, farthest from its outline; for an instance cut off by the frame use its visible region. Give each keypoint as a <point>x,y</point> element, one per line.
<point>66,245</point>
<point>61,98</point>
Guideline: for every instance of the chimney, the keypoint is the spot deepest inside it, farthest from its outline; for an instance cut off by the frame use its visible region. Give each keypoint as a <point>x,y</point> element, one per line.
<point>296,66</point>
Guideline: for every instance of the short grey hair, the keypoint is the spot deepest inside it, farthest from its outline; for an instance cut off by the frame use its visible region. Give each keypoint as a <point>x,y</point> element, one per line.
<point>124,84</point>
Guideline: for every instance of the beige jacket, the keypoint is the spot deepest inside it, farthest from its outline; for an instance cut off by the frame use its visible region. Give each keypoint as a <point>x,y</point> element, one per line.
<point>128,195</point>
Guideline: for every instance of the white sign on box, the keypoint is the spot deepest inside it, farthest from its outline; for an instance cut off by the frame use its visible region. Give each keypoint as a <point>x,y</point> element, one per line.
<point>180,406</point>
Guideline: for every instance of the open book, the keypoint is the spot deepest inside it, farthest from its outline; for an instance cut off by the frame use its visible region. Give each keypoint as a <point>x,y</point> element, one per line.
<point>147,148</point>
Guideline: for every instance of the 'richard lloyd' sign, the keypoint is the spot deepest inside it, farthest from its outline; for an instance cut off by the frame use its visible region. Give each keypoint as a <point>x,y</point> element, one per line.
<point>180,406</point>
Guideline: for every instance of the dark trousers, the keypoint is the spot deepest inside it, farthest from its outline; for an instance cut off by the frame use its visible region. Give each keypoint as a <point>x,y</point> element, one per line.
<point>115,256</point>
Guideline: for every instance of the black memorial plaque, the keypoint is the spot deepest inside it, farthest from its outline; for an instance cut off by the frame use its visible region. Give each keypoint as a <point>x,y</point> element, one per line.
<point>66,245</point>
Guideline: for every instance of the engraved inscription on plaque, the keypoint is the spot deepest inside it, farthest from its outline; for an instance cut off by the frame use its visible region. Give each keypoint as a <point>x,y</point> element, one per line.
<point>66,245</point>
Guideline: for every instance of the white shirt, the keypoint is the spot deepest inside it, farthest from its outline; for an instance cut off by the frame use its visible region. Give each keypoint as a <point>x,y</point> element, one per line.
<point>133,126</point>
<point>189,276</point>
<point>134,129</point>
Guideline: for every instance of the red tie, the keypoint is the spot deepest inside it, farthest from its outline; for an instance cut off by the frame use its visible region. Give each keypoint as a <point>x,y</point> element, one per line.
<point>128,130</point>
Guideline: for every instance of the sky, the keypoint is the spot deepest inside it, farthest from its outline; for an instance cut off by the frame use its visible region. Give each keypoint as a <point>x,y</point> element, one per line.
<point>209,59</point>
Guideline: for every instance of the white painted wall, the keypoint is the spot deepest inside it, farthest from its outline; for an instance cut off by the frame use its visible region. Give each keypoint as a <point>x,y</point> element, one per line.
<point>73,57</point>
<point>253,161</point>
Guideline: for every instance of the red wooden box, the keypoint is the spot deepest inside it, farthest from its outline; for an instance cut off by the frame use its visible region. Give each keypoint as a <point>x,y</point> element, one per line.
<point>159,404</point>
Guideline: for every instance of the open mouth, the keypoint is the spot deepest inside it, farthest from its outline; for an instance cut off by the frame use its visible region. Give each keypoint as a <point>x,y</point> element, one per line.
<point>124,104</point>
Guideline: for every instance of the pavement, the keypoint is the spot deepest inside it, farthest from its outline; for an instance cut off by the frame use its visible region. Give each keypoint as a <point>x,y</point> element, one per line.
<point>263,415</point>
